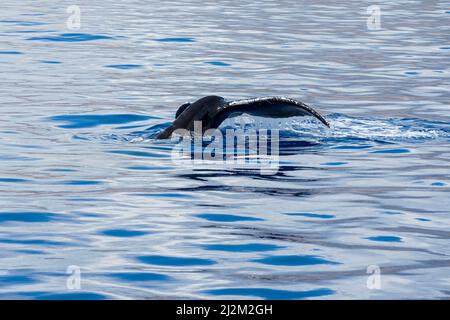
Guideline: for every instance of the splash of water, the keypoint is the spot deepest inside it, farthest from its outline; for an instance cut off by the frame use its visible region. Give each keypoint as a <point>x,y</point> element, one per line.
<point>346,127</point>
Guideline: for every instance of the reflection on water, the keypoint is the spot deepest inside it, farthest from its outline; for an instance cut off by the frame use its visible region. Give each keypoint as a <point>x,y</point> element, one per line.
<point>83,183</point>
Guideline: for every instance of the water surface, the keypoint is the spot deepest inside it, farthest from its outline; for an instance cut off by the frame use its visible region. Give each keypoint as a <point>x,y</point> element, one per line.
<point>82,182</point>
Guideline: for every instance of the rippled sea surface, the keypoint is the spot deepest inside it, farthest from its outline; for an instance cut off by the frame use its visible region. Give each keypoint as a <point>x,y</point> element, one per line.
<point>84,185</point>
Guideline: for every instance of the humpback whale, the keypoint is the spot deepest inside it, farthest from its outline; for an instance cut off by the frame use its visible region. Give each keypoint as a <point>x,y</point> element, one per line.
<point>213,110</point>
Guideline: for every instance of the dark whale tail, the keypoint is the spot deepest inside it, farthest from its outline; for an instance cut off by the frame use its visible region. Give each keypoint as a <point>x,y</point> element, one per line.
<point>213,110</point>
<point>268,107</point>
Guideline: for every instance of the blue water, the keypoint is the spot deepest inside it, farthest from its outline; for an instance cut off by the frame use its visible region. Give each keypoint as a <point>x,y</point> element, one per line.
<point>84,183</point>
<point>71,37</point>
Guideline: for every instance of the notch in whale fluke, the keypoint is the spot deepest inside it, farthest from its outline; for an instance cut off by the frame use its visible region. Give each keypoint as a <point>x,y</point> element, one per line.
<point>213,110</point>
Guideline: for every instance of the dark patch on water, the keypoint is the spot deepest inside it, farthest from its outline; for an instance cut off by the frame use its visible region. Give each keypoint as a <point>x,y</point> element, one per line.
<point>306,260</point>
<point>93,120</point>
<point>247,247</point>
<point>124,66</point>
<point>71,296</point>
<point>312,215</point>
<point>82,182</point>
<point>123,233</point>
<point>34,242</point>
<point>14,280</point>
<point>392,151</point>
<point>27,217</point>
<point>175,261</point>
<point>218,63</point>
<point>385,239</point>
<point>392,212</point>
<point>438,184</point>
<point>175,40</point>
<point>28,251</point>
<point>334,164</point>
<point>226,217</point>
<point>50,62</point>
<point>270,294</point>
<point>13,180</point>
<point>139,276</point>
<point>71,37</point>
<point>10,52</point>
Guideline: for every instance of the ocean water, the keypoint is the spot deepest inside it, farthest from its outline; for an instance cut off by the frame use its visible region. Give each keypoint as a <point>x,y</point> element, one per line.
<point>87,193</point>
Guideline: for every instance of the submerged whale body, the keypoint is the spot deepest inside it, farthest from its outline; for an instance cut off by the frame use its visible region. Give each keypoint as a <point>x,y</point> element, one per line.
<point>213,110</point>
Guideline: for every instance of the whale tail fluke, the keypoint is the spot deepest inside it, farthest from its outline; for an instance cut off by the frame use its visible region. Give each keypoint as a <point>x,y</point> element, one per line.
<point>213,110</point>
<point>267,107</point>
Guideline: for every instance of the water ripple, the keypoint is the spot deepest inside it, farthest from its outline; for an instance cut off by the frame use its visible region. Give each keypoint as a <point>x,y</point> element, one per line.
<point>84,183</point>
<point>33,217</point>
<point>175,261</point>
<point>270,294</point>
<point>72,37</point>
<point>89,121</point>
<point>294,260</point>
